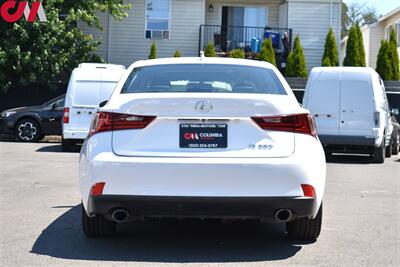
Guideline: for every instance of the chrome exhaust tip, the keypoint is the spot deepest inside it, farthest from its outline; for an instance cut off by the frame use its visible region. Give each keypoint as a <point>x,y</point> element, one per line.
<point>283,215</point>
<point>120,215</point>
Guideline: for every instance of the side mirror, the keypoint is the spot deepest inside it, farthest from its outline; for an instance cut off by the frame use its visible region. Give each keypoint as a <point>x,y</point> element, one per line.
<point>54,106</point>
<point>102,104</point>
<point>395,112</point>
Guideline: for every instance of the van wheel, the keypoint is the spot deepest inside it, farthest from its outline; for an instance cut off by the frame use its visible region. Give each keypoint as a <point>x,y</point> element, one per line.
<point>395,149</point>
<point>305,229</point>
<point>379,153</point>
<point>97,226</point>
<point>67,145</point>
<point>388,150</point>
<point>27,130</point>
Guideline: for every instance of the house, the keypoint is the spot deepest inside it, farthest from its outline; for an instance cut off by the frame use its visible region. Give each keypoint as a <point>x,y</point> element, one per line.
<point>188,25</point>
<point>374,33</point>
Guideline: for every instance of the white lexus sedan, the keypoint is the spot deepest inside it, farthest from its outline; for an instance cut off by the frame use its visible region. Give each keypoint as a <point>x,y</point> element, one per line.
<point>202,138</point>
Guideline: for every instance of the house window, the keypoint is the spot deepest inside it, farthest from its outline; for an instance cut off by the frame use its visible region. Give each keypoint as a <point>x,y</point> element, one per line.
<point>398,34</point>
<point>158,19</point>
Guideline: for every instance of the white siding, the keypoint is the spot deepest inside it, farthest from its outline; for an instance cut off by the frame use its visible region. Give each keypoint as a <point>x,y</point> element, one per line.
<point>311,21</point>
<point>376,35</point>
<point>127,37</point>
<point>366,38</point>
<point>214,18</point>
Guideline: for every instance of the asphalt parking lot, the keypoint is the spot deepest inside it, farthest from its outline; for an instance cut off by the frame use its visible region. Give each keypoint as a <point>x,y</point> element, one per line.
<point>40,221</point>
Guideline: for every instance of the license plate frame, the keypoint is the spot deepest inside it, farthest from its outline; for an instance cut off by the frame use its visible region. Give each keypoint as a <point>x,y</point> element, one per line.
<point>203,135</point>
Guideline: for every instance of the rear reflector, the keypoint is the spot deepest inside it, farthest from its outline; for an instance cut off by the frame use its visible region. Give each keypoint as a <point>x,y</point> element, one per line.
<point>108,121</point>
<point>308,190</point>
<point>66,115</point>
<point>97,189</point>
<point>297,123</point>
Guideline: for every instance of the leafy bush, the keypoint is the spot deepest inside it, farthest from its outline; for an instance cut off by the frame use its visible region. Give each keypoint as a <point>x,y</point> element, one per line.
<point>177,53</point>
<point>153,51</point>
<point>47,52</point>
<point>383,63</point>
<point>236,53</point>
<point>210,50</point>
<point>331,55</point>
<point>267,52</point>
<point>394,55</point>
<point>296,62</point>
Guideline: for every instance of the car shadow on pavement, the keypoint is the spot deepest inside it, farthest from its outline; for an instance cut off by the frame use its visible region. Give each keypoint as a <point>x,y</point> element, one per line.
<point>56,148</point>
<point>171,241</point>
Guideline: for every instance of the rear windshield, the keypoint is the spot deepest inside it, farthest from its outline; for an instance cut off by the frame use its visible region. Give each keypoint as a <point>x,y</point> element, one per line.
<point>201,78</point>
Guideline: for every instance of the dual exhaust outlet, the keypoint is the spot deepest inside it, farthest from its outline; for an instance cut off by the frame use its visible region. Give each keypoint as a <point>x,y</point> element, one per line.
<point>282,215</point>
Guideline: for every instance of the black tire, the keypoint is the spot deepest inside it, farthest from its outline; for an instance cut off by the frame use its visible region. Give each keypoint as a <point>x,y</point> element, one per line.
<point>27,130</point>
<point>67,145</point>
<point>388,150</point>
<point>305,229</point>
<point>379,153</point>
<point>395,149</point>
<point>97,226</point>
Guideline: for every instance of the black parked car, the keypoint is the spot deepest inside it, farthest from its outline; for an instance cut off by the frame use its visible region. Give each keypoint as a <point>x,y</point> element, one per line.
<point>30,124</point>
<point>395,140</point>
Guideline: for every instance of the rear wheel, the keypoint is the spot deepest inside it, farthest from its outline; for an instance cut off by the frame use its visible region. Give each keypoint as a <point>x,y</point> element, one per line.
<point>395,149</point>
<point>379,153</point>
<point>67,145</point>
<point>27,130</point>
<point>305,229</point>
<point>388,150</point>
<point>97,226</point>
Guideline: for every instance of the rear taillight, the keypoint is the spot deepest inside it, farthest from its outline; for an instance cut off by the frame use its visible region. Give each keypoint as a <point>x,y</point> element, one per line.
<point>108,121</point>
<point>297,123</point>
<point>66,115</point>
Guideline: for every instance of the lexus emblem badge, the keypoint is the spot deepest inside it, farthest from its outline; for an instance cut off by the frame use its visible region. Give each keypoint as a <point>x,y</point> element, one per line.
<point>203,106</point>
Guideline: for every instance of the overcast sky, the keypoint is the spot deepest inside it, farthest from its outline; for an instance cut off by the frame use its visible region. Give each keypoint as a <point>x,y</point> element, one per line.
<point>383,6</point>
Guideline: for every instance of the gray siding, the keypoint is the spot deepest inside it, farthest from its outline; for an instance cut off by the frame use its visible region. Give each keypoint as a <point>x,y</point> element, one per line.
<point>311,21</point>
<point>127,42</point>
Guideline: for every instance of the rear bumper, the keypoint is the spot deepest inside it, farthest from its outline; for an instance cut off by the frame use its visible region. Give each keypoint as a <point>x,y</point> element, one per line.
<point>347,140</point>
<point>140,207</point>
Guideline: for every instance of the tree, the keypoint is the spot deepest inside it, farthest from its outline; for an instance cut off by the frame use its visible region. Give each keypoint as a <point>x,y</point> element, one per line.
<point>357,13</point>
<point>355,54</point>
<point>45,52</point>
<point>394,55</point>
<point>383,63</point>
<point>237,53</point>
<point>210,50</point>
<point>153,51</point>
<point>177,53</point>
<point>267,52</point>
<point>331,55</point>
<point>296,62</point>
<point>361,46</point>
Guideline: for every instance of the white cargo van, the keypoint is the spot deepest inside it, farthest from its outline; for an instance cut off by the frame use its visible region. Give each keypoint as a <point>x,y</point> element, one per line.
<point>351,111</point>
<point>90,84</point>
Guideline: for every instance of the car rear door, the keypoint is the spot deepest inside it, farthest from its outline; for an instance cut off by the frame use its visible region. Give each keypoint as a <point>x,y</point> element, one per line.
<point>85,101</point>
<point>356,106</point>
<point>322,99</point>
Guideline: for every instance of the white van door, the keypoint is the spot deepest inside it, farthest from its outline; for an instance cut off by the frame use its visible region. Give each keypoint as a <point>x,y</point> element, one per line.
<point>322,100</point>
<point>85,101</point>
<point>356,107</point>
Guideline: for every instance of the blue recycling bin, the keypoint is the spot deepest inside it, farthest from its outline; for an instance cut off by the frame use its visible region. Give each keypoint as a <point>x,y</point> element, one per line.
<point>256,45</point>
<point>275,36</point>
